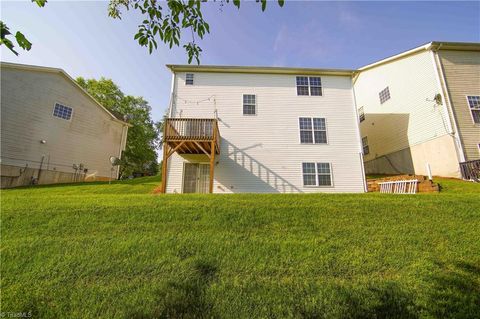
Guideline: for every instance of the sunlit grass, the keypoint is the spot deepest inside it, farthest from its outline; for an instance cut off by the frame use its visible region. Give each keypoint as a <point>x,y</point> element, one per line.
<point>100,250</point>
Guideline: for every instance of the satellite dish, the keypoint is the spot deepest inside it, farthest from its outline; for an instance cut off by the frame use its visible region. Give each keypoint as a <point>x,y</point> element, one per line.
<point>114,160</point>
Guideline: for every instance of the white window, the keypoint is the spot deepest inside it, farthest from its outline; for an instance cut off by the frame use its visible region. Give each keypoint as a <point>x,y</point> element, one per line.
<point>309,85</point>
<point>62,111</point>
<point>361,114</point>
<point>249,104</point>
<point>317,174</point>
<point>474,103</point>
<point>384,95</point>
<point>189,79</point>
<point>315,86</point>
<point>366,149</point>
<point>312,130</point>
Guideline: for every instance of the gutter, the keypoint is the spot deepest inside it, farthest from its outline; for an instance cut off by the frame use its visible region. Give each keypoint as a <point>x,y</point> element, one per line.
<point>424,47</point>
<point>172,90</point>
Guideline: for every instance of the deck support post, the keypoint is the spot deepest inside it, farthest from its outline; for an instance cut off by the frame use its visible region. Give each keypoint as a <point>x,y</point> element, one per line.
<point>164,168</point>
<point>212,161</point>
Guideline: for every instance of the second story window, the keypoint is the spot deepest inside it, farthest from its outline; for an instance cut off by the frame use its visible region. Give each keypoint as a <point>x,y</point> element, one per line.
<point>384,95</point>
<point>309,85</point>
<point>62,111</point>
<point>361,114</point>
<point>312,130</point>
<point>189,79</point>
<point>365,147</point>
<point>249,104</point>
<point>474,104</point>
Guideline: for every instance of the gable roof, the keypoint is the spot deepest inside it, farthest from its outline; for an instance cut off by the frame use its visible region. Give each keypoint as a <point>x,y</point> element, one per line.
<point>69,78</point>
<point>434,46</point>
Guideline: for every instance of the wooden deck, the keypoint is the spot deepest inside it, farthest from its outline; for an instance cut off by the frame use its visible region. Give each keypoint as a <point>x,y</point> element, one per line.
<point>190,136</point>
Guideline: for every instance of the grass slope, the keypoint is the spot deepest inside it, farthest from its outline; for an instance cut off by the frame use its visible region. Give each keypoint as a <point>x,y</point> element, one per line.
<point>116,251</point>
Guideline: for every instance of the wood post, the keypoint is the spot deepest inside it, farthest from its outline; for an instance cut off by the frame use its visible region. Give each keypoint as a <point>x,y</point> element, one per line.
<point>164,168</point>
<point>212,159</point>
<point>212,166</point>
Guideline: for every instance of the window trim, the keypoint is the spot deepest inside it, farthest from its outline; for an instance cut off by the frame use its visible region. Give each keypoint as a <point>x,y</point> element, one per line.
<point>186,78</point>
<point>316,175</point>
<point>313,131</point>
<point>470,109</point>
<point>309,91</point>
<point>61,118</point>
<point>256,104</point>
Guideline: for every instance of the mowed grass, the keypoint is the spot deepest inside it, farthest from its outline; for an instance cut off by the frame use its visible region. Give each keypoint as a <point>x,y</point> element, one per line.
<point>117,251</point>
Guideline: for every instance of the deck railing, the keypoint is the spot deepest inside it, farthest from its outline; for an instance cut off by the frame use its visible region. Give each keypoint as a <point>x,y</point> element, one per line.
<point>399,187</point>
<point>470,170</point>
<point>182,129</point>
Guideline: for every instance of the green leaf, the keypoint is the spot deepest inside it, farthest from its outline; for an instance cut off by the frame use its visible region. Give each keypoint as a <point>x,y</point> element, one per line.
<point>236,3</point>
<point>40,3</point>
<point>264,5</point>
<point>281,3</point>
<point>8,44</point>
<point>22,41</point>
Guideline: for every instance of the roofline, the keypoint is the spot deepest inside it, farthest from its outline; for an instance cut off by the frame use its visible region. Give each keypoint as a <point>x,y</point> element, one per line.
<point>434,45</point>
<point>65,74</point>
<point>257,70</point>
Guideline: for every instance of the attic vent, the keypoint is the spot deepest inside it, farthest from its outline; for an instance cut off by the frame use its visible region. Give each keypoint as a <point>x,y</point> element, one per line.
<point>189,79</point>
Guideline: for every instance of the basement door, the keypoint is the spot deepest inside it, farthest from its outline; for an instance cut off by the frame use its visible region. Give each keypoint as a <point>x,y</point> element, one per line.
<point>196,178</point>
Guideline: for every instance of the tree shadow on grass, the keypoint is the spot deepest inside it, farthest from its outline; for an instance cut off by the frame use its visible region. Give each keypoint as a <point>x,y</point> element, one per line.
<point>185,297</point>
<point>380,300</point>
<point>456,293</point>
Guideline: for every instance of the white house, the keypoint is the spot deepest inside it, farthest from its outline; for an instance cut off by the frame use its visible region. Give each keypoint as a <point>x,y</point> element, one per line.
<point>420,111</point>
<point>52,131</point>
<point>262,130</point>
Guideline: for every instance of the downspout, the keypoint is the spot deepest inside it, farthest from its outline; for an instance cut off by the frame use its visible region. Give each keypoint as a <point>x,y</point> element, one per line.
<point>359,137</point>
<point>172,90</point>
<point>453,126</point>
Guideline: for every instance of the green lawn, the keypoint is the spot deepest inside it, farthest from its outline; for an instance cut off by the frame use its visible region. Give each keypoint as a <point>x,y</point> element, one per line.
<point>117,251</point>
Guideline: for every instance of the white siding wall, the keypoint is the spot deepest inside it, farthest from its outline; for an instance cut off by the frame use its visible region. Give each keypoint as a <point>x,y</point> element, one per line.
<point>262,153</point>
<point>27,102</point>
<point>410,117</point>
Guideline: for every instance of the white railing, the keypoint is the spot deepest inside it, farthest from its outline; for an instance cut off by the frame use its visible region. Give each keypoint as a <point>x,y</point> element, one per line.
<point>399,187</point>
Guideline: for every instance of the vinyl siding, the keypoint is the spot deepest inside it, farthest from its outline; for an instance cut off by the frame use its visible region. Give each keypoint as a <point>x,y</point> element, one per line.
<point>28,98</point>
<point>262,152</point>
<point>410,117</point>
<point>462,75</point>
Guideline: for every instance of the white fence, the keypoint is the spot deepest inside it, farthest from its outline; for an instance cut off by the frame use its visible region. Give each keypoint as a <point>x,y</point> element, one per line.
<point>399,187</point>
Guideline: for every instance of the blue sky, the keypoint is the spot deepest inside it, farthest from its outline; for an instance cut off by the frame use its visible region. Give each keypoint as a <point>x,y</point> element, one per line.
<point>80,38</point>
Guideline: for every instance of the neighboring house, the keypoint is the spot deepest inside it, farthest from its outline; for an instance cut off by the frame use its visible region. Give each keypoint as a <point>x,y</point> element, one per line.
<point>53,131</point>
<point>420,110</point>
<point>261,130</point>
